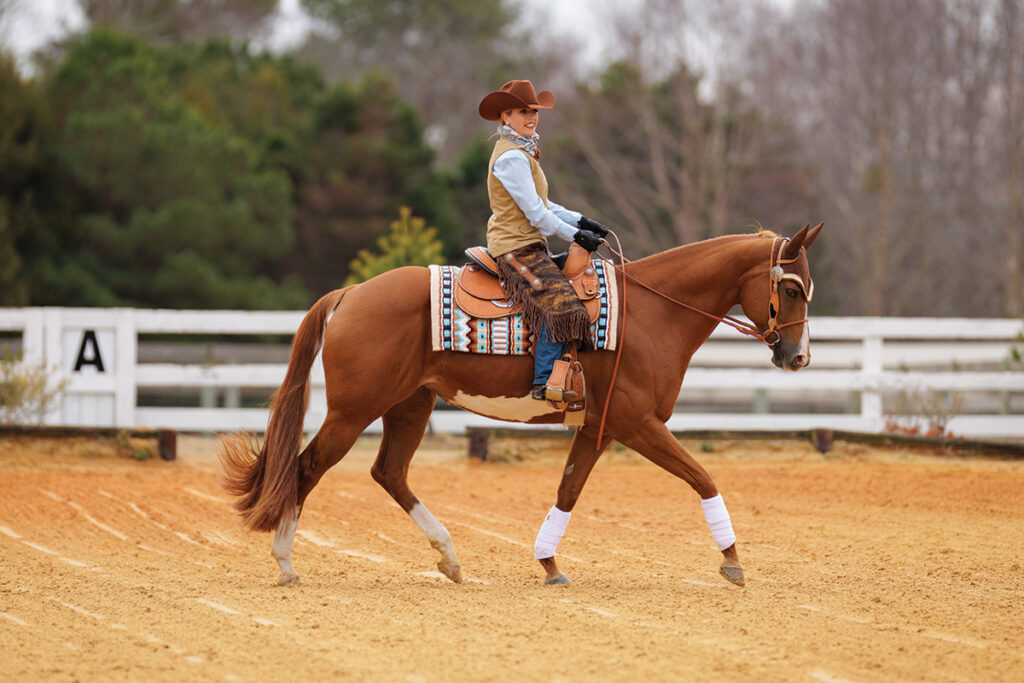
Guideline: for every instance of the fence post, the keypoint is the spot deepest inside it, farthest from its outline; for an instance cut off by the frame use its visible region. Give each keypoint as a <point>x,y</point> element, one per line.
<point>52,357</point>
<point>127,351</point>
<point>871,396</point>
<point>478,442</point>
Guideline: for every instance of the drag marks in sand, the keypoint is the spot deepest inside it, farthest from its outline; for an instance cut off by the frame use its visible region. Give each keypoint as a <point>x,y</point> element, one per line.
<point>144,572</point>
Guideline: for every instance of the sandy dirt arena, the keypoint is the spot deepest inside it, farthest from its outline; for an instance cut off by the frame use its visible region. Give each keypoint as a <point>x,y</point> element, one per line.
<point>863,565</point>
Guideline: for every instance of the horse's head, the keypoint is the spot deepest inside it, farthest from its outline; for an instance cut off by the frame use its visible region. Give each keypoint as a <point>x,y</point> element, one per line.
<point>776,299</point>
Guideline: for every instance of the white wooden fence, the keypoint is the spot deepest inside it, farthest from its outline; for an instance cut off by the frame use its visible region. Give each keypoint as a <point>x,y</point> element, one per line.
<point>859,367</point>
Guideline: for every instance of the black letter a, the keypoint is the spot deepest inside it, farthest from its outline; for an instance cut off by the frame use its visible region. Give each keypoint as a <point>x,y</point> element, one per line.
<point>89,339</point>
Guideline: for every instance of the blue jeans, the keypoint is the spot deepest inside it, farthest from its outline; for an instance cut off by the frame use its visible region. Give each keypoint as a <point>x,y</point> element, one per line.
<point>544,358</point>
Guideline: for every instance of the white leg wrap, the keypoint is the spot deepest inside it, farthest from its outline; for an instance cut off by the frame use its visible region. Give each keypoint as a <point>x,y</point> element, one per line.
<point>718,521</point>
<point>551,532</point>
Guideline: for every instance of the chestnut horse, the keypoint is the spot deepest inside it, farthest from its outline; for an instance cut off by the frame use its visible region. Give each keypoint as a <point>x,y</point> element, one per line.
<point>378,362</point>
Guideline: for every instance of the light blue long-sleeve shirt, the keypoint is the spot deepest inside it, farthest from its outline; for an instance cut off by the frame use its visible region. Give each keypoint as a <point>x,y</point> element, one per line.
<point>512,169</point>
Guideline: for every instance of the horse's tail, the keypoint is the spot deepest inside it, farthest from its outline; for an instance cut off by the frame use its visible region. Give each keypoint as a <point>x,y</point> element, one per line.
<point>265,481</point>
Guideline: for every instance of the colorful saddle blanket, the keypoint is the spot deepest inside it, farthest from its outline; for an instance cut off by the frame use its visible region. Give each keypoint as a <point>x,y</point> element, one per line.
<point>453,329</point>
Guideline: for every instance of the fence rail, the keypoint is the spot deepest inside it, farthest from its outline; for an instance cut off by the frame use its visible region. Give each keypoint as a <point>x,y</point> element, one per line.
<point>863,370</point>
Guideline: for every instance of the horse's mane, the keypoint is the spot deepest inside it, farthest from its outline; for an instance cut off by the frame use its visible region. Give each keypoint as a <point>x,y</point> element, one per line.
<point>710,242</point>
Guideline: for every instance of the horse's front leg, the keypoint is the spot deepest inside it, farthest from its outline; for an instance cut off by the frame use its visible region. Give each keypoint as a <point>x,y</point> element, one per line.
<point>582,456</point>
<point>654,441</point>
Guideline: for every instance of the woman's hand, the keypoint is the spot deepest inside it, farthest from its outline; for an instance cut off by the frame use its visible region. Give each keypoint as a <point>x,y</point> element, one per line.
<point>593,226</point>
<point>587,239</point>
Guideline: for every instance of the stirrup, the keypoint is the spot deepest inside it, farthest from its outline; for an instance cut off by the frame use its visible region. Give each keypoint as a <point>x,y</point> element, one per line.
<point>545,393</point>
<point>560,395</point>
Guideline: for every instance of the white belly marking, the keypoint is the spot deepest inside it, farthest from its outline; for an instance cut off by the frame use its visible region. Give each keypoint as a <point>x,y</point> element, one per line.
<point>517,408</point>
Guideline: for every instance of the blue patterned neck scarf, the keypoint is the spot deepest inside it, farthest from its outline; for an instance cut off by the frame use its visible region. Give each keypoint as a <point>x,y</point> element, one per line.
<point>530,145</point>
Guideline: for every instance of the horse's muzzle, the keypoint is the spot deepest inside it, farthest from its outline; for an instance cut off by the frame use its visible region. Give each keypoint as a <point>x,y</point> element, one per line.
<point>792,356</point>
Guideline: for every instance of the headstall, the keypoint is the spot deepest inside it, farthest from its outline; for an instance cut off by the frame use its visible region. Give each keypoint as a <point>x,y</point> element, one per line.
<point>776,274</point>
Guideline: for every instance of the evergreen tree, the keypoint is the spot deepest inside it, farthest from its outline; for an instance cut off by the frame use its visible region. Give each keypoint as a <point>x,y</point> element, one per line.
<point>167,207</point>
<point>409,243</point>
<point>22,132</point>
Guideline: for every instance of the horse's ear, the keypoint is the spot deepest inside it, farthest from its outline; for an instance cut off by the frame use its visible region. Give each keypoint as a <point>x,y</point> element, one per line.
<point>793,246</point>
<point>812,234</point>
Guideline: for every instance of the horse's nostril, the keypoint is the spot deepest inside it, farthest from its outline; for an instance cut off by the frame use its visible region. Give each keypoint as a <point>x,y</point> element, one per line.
<point>801,360</point>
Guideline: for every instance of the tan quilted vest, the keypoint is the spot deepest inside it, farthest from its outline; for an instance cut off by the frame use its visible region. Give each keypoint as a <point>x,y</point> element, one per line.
<point>507,228</point>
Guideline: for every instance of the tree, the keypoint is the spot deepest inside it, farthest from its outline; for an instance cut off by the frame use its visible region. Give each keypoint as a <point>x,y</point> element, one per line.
<point>1008,45</point>
<point>366,158</point>
<point>21,162</point>
<point>178,21</point>
<point>167,209</point>
<point>443,55</point>
<point>897,102</point>
<point>409,243</point>
<point>669,166</point>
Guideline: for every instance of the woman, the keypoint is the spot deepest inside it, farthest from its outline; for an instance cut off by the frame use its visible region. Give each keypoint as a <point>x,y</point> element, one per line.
<point>522,219</point>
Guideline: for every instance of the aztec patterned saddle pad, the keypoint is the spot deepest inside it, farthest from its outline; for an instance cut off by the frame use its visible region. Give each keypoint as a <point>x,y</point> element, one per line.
<point>453,329</point>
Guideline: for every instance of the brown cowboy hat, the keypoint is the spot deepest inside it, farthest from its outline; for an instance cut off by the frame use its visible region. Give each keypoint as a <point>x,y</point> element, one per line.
<point>512,95</point>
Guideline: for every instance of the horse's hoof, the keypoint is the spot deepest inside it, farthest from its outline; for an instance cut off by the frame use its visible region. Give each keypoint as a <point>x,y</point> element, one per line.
<point>557,580</point>
<point>452,571</point>
<point>734,574</point>
<point>288,579</point>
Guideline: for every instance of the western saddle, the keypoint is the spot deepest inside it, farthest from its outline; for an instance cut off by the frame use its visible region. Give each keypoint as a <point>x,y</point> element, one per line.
<point>478,292</point>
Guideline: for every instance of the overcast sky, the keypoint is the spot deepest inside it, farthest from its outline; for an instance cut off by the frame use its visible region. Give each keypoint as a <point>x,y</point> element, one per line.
<point>30,24</point>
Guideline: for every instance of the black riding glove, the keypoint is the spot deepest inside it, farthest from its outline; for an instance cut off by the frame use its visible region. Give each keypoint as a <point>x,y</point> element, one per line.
<point>587,240</point>
<point>593,226</point>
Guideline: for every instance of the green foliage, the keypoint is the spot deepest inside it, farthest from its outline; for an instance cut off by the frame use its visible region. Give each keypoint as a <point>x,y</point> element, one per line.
<point>201,175</point>
<point>21,134</point>
<point>26,392</point>
<point>366,159</point>
<point>409,243</point>
<point>172,210</point>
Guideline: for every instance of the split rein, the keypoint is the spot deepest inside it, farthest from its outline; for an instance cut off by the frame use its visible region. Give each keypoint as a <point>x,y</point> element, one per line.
<point>775,262</point>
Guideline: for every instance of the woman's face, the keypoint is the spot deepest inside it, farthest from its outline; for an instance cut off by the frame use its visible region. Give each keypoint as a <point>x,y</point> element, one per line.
<point>523,121</point>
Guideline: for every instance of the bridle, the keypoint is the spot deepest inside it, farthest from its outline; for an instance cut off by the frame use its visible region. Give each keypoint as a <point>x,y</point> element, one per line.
<point>770,336</point>
<point>776,274</point>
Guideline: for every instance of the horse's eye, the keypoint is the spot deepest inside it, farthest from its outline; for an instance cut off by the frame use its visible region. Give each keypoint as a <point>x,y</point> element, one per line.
<point>792,292</point>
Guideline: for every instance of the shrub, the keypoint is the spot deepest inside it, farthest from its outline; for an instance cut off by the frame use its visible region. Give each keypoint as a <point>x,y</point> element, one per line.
<point>26,391</point>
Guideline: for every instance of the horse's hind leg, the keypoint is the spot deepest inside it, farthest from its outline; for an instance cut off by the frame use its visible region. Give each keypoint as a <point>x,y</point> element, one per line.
<point>281,548</point>
<point>325,450</point>
<point>404,425</point>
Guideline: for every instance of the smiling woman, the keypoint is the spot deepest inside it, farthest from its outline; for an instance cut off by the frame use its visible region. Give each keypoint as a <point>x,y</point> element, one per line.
<point>523,120</point>
<point>522,220</point>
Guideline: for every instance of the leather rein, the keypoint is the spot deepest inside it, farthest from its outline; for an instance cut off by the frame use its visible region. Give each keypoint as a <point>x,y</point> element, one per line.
<point>776,274</point>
